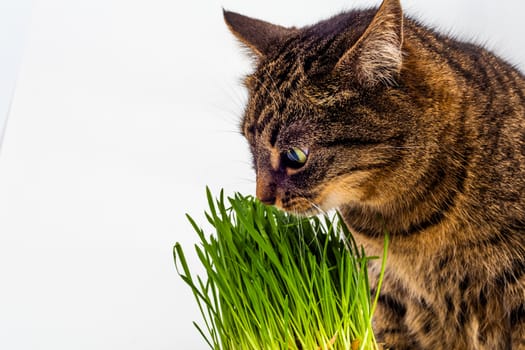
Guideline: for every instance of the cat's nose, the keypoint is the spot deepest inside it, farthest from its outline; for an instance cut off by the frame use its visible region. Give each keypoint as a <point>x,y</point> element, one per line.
<point>266,190</point>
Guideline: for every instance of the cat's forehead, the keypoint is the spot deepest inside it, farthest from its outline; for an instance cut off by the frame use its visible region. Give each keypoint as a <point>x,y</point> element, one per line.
<point>279,71</point>
<point>275,90</point>
<point>312,47</point>
<point>284,86</point>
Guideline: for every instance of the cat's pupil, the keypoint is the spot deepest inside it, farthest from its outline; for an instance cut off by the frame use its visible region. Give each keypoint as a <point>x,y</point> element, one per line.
<point>295,158</point>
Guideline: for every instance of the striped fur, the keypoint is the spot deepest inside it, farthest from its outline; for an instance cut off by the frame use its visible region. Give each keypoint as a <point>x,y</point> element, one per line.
<point>410,131</point>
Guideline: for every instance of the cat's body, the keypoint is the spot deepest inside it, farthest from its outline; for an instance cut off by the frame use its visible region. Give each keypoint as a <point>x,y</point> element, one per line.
<point>411,132</point>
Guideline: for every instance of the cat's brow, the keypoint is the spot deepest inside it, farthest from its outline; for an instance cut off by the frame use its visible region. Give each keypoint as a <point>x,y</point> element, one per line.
<point>274,133</point>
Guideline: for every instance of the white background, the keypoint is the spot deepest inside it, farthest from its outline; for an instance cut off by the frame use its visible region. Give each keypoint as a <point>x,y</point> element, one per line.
<point>123,112</point>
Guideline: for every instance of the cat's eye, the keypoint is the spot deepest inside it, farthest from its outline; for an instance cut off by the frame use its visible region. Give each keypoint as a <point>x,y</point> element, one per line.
<point>295,158</point>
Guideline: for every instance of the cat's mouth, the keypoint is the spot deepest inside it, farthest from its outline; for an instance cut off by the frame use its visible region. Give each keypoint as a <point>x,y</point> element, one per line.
<point>290,200</point>
<point>298,206</point>
<point>296,202</point>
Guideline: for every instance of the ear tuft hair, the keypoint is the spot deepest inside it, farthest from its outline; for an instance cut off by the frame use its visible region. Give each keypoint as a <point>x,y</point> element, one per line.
<point>377,56</point>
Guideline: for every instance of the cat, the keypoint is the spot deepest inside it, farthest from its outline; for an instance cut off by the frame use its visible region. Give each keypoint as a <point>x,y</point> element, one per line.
<point>405,130</point>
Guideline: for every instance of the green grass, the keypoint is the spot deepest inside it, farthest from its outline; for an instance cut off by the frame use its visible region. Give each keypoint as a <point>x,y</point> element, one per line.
<point>276,281</point>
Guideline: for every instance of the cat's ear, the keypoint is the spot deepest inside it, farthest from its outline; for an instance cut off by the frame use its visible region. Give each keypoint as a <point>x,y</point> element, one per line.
<point>377,55</point>
<point>259,36</point>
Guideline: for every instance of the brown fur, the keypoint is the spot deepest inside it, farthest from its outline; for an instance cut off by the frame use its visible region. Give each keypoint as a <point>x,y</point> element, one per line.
<point>413,132</point>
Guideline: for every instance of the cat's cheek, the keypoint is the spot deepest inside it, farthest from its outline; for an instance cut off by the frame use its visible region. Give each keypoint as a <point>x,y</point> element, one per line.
<point>332,201</point>
<point>341,192</point>
<point>336,199</point>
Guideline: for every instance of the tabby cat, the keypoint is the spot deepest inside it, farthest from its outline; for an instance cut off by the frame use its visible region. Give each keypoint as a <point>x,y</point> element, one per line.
<point>405,130</point>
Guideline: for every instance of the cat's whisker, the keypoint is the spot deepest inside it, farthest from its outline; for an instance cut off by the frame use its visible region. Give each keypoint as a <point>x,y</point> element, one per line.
<point>245,180</point>
<point>317,207</point>
<point>237,95</point>
<point>228,131</point>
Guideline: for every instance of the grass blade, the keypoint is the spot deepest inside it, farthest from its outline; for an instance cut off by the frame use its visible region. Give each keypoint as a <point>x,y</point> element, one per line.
<point>276,281</point>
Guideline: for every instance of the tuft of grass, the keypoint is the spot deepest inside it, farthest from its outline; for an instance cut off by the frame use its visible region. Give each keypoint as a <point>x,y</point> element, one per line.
<point>277,281</point>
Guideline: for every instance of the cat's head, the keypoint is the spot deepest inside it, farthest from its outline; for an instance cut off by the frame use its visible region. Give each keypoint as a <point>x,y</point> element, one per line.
<point>326,110</point>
